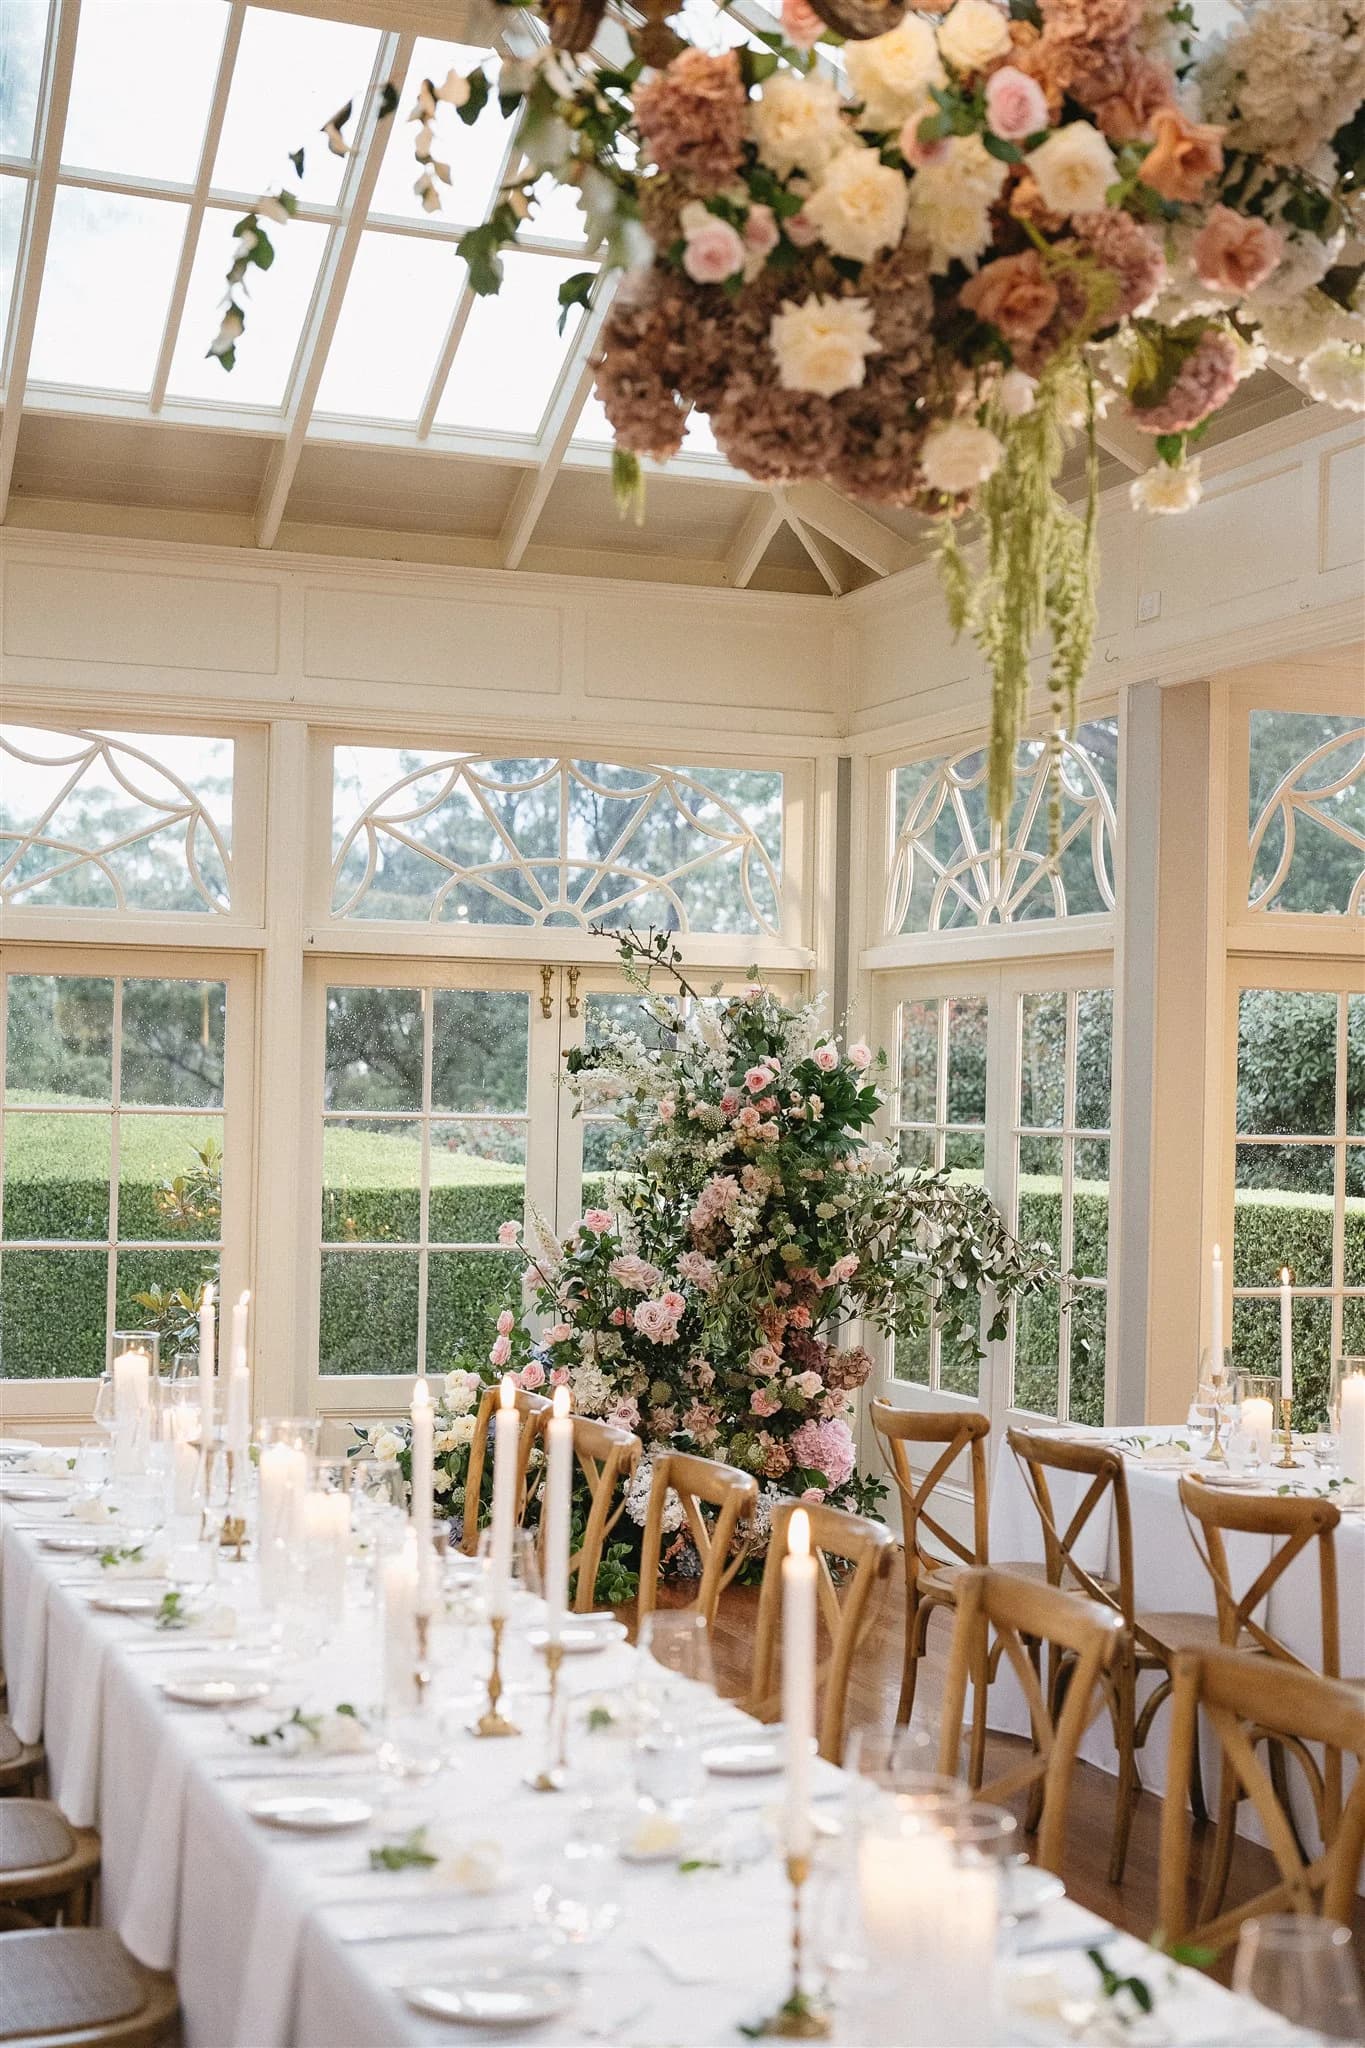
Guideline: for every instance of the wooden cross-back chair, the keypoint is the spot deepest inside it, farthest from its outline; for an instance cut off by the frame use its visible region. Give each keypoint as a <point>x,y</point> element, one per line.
<point>607,1458</point>
<point>846,1605</point>
<point>1149,1639</point>
<point>1293,1524</point>
<point>532,1409</point>
<point>1023,1613</point>
<point>1244,1699</point>
<point>722,1548</point>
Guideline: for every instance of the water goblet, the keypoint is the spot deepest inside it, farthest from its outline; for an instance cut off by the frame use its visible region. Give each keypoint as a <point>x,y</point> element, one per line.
<point>1305,1969</point>
<point>576,1902</point>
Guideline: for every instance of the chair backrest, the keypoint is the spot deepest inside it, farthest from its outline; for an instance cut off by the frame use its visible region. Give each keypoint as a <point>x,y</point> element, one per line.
<point>698,1483</point>
<point>532,1408</point>
<point>1036,1455</point>
<point>607,1458</point>
<point>1025,1612</point>
<point>1245,1698</point>
<point>1292,1522</point>
<point>956,1430</point>
<point>863,1550</point>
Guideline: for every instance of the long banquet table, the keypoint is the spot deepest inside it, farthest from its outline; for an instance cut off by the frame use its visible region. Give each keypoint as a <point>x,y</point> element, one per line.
<point>281,1942</point>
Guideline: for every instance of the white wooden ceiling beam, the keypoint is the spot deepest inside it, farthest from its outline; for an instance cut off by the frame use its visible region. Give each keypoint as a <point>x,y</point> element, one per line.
<point>856,531</point>
<point>752,540</point>
<point>54,95</point>
<point>1127,443</point>
<point>232,37</point>
<point>810,541</point>
<point>561,417</point>
<point>362,174</point>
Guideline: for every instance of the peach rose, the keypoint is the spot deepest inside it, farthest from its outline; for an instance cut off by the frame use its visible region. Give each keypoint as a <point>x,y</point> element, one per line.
<point>1142,89</point>
<point>1186,155</point>
<point>801,24</point>
<point>1235,253</point>
<point>1014,294</point>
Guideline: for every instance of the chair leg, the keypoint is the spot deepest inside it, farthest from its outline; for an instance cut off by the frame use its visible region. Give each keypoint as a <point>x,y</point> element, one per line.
<point>1125,1728</point>
<point>1279,1778</point>
<point>1199,1806</point>
<point>1225,1834</point>
<point>913,1651</point>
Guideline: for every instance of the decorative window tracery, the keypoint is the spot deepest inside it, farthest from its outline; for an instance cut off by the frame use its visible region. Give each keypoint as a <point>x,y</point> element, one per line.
<point>949,871</point>
<point>1307,814</point>
<point>114,821</point>
<point>557,842</point>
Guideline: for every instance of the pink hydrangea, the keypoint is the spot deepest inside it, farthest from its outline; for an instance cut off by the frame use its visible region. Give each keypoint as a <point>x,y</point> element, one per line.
<point>597,1221</point>
<point>825,1447</point>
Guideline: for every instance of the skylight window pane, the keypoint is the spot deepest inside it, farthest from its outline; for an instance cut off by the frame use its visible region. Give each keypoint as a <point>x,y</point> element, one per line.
<point>141,87</point>
<point>510,356</point>
<point>277,304</point>
<point>394,317</point>
<point>21,62</point>
<point>11,222</point>
<point>556,215</point>
<point>94,326</point>
<point>474,153</point>
<point>293,73</point>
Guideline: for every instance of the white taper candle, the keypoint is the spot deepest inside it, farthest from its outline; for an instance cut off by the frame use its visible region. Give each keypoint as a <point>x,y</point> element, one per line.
<point>422,1422</point>
<point>558,1495</point>
<point>506,1432</point>
<point>1286,1337</point>
<point>799,1570</point>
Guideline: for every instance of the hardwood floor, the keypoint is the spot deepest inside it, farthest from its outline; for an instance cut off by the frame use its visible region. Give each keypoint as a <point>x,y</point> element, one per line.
<point>873,1698</point>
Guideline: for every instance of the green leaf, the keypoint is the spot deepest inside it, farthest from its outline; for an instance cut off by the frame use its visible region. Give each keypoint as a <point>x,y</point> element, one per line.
<point>756,65</point>
<point>477,81</point>
<point>296,159</point>
<point>388,99</point>
<point>575,291</point>
<point>1008,152</point>
<point>628,485</point>
<point>479,248</point>
<point>411,1853</point>
<point>1170,448</point>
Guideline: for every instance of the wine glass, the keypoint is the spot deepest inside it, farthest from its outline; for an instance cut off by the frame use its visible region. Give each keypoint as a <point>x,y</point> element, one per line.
<point>679,1640</point>
<point>576,1903</point>
<point>103,1413</point>
<point>677,1667</point>
<point>899,1766</point>
<point>1305,1969</point>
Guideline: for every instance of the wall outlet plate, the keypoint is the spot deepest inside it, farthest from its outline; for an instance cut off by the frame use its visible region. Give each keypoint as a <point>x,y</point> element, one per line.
<point>1149,606</point>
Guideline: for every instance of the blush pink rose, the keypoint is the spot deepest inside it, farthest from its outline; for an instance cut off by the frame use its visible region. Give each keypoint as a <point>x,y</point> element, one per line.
<point>729,1102</point>
<point>860,1056</point>
<point>531,1376</point>
<point>764,1403</point>
<point>560,1376</point>
<point>758,1080</point>
<point>919,155</point>
<point>558,1333</point>
<point>761,232</point>
<point>507,1322</point>
<point>1016,105</point>
<point>597,1221</point>
<point>501,1352</point>
<point>826,1057</point>
<point>801,24</point>
<point>713,251</point>
<point>507,1233</point>
<point>1235,253</point>
<point>668,1109</point>
<point>803,233</point>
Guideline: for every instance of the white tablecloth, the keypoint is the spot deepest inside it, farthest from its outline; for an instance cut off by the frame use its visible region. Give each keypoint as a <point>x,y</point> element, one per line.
<point>255,1923</point>
<point>1169,1575</point>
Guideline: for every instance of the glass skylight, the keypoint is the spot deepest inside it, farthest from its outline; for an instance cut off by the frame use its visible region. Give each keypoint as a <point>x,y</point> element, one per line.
<point>292,74</point>
<point>21,63</point>
<point>122,47</point>
<point>393,321</point>
<point>473,153</point>
<point>110,266</point>
<point>277,307</point>
<point>11,223</point>
<point>511,355</point>
<point>556,215</point>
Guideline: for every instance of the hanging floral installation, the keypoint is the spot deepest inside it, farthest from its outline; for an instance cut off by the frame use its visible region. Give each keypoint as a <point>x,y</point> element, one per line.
<point>912,253</point>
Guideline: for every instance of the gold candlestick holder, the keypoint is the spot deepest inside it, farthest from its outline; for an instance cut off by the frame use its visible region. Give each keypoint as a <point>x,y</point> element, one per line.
<point>1215,1454</point>
<point>232,1535</point>
<point>552,1775</point>
<point>491,1722</point>
<point>421,1671</point>
<point>1286,1462</point>
<point>800,2017</point>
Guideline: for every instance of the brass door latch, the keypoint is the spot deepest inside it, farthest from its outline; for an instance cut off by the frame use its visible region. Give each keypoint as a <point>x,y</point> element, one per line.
<point>547,1001</point>
<point>573,991</point>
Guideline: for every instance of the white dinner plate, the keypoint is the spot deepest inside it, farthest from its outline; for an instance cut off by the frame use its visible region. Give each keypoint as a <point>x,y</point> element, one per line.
<point>74,1546</point>
<point>1027,1890</point>
<point>309,1816</point>
<point>501,1994</point>
<point>747,1756</point>
<point>145,1600</point>
<point>17,1447</point>
<point>225,1688</point>
<point>582,1634</point>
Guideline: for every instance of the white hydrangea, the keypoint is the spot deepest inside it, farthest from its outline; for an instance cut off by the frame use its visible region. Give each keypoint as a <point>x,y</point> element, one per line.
<point>1336,375</point>
<point>637,1500</point>
<point>1305,262</point>
<point>892,74</point>
<point>1167,487</point>
<point>796,123</point>
<point>1289,333</point>
<point>1287,77</point>
<point>591,1388</point>
<point>858,208</point>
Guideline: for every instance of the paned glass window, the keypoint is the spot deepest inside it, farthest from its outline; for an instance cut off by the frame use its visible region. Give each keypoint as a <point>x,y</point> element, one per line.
<point>1307,813</point>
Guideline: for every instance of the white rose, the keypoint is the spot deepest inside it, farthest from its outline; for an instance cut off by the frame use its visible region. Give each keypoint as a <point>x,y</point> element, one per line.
<point>952,220</point>
<point>823,344</point>
<point>461,1431</point>
<point>386,1446</point>
<point>1336,375</point>
<point>970,164</point>
<point>892,74</point>
<point>973,35</point>
<point>1074,169</point>
<point>459,1398</point>
<point>1166,487</point>
<point>796,123</point>
<point>958,456</point>
<point>1016,394</point>
<point>859,205</point>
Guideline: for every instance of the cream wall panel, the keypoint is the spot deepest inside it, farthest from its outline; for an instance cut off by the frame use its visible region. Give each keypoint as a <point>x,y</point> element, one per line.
<point>691,654</point>
<point>1237,547</point>
<point>77,613</point>
<point>1343,507</point>
<point>383,636</point>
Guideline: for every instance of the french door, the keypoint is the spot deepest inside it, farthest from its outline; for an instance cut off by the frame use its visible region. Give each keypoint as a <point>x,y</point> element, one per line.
<point>1001,1076</point>
<point>440,1116</point>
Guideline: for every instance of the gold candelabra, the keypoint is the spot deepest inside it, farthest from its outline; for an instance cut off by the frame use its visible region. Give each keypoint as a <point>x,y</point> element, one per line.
<point>491,1722</point>
<point>1286,1462</point>
<point>800,2017</point>
<point>1215,1454</point>
<point>551,1776</point>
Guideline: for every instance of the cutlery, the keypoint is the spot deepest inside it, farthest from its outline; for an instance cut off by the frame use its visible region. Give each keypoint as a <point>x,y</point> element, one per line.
<point>434,1933</point>
<point>280,1768</point>
<point>1060,1943</point>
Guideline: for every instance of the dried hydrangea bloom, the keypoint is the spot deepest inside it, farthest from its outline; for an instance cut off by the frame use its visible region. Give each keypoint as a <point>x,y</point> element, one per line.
<point>1131,253</point>
<point>692,118</point>
<point>1206,380</point>
<point>637,378</point>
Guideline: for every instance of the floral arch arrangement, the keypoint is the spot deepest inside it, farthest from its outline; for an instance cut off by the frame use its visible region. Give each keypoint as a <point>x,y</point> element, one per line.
<point>911,252</point>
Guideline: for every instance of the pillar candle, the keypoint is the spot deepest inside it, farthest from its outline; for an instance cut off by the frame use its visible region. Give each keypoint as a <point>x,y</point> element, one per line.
<point>558,1493</point>
<point>506,1434</point>
<point>206,1364</point>
<point>132,1388</point>
<point>327,1533</point>
<point>238,1399</point>
<point>1216,1340</point>
<point>184,1473</point>
<point>799,1570</point>
<point>398,1622</point>
<point>1352,1427</point>
<point>282,1474</point>
<point>421,1492</point>
<point>1286,1338</point>
<point>1257,1423</point>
